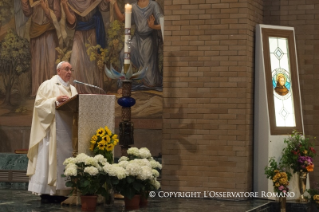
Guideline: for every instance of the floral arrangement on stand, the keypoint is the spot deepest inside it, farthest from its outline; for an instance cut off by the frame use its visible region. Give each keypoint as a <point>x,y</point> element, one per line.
<point>103,142</point>
<point>279,177</point>
<point>299,153</point>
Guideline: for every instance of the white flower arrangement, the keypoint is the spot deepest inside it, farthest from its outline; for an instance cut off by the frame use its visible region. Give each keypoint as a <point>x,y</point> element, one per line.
<point>101,159</point>
<point>144,153</point>
<point>155,164</point>
<point>146,173</point>
<point>91,170</point>
<point>133,169</point>
<point>86,174</point>
<point>155,173</point>
<point>141,173</point>
<point>123,164</point>
<point>123,158</point>
<point>133,151</point>
<point>115,170</point>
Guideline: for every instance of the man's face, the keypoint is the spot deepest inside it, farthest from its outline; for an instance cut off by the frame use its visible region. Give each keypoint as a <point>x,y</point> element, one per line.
<point>65,71</point>
<point>281,81</point>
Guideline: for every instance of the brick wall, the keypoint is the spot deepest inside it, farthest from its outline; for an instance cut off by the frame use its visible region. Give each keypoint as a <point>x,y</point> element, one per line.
<point>208,94</point>
<point>303,15</point>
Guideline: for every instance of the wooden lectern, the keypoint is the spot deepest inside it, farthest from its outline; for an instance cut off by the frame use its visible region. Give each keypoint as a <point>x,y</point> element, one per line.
<point>82,115</point>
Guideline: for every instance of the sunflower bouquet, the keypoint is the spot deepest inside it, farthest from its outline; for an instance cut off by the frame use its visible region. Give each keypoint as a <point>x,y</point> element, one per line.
<point>103,142</point>
<point>279,177</point>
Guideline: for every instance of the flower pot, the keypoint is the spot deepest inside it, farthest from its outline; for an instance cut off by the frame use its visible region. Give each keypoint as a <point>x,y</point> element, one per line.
<point>143,201</point>
<point>132,204</point>
<point>88,203</point>
<point>302,185</point>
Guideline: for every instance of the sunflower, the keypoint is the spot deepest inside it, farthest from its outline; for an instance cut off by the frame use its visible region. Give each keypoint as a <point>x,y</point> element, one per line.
<point>94,138</point>
<point>115,141</point>
<point>92,147</point>
<point>106,139</point>
<point>108,131</point>
<point>100,132</point>
<point>102,145</point>
<point>114,136</point>
<point>93,142</point>
<point>109,147</point>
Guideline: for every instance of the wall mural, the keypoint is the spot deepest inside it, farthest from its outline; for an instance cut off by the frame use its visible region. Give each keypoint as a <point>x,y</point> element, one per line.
<point>35,35</point>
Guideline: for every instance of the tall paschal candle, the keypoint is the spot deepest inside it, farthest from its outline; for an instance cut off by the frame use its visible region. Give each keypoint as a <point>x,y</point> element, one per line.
<point>127,50</point>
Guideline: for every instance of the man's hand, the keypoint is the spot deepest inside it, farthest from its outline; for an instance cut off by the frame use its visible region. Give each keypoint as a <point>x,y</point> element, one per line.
<point>151,21</point>
<point>62,98</point>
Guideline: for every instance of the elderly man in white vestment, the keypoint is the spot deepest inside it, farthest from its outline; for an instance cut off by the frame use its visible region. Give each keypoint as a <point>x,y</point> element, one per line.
<point>42,165</point>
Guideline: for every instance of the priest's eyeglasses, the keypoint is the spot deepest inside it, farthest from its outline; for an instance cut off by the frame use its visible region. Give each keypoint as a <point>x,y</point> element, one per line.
<point>68,69</point>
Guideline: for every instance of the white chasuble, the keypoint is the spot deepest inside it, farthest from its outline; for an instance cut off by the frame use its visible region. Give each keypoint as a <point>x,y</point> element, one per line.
<point>43,150</point>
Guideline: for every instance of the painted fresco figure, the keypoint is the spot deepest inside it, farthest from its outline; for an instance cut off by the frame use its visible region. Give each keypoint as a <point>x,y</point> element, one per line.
<point>280,88</point>
<point>146,16</point>
<point>86,19</point>
<point>43,39</point>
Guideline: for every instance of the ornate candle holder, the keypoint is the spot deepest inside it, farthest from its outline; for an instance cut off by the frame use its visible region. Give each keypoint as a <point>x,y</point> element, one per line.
<point>126,127</point>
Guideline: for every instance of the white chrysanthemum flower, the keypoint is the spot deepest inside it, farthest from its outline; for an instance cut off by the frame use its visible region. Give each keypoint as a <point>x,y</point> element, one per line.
<point>91,170</point>
<point>91,161</point>
<point>123,158</point>
<point>115,170</point>
<point>156,184</point>
<point>100,168</point>
<point>123,164</point>
<point>142,162</point>
<point>146,173</point>
<point>155,164</point>
<point>70,170</point>
<point>133,168</point>
<point>101,159</point>
<point>70,160</point>
<point>120,172</point>
<point>155,173</point>
<point>133,151</point>
<point>80,158</point>
<point>145,153</point>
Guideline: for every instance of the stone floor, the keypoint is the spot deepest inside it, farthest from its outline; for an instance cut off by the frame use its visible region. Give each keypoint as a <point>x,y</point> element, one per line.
<point>13,200</point>
<point>20,200</point>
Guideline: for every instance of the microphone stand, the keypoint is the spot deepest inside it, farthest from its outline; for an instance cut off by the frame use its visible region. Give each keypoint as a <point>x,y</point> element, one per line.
<point>86,84</point>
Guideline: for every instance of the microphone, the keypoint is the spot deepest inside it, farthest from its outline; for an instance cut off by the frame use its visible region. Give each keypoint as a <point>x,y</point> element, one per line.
<point>86,84</point>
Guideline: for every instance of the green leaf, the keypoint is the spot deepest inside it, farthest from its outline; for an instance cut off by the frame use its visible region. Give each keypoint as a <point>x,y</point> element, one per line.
<point>137,186</point>
<point>69,184</point>
<point>130,179</point>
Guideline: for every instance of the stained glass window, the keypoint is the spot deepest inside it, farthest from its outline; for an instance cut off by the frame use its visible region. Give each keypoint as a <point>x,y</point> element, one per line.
<point>281,82</point>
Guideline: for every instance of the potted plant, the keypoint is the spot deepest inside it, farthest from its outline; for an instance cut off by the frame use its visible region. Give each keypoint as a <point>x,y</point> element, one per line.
<point>298,155</point>
<point>144,157</point>
<point>85,174</point>
<point>280,178</point>
<point>103,142</point>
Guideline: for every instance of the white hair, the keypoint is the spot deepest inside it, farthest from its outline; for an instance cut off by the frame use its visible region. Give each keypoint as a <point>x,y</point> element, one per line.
<point>60,64</point>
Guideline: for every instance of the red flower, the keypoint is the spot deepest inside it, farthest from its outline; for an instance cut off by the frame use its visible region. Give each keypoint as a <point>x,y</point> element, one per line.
<point>312,150</point>
<point>294,152</point>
